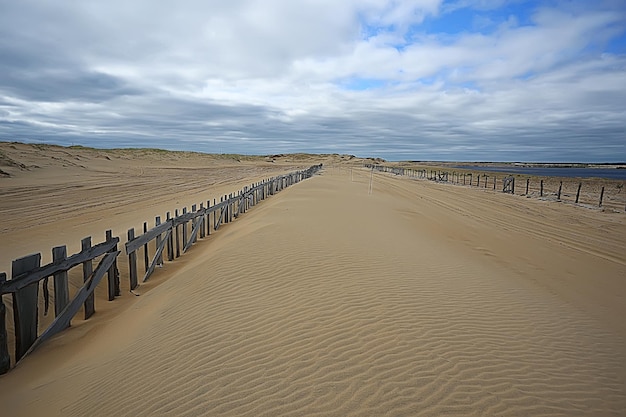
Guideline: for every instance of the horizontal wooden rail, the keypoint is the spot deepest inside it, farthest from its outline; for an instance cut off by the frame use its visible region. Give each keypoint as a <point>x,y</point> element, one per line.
<point>27,272</point>
<point>26,278</point>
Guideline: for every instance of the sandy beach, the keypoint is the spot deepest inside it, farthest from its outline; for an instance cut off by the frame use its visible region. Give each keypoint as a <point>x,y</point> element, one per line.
<point>414,299</point>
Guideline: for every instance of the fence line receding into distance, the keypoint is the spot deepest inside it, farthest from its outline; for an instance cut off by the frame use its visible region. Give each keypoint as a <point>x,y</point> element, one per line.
<point>174,236</point>
<point>593,197</point>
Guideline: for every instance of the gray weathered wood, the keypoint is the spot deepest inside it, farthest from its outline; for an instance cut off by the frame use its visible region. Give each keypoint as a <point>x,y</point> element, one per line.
<point>157,255</point>
<point>24,279</point>
<point>601,197</point>
<point>90,301</point>
<point>184,225</point>
<point>5,358</point>
<point>203,216</point>
<point>132,261</point>
<point>170,241</point>
<point>177,233</point>
<point>113,275</point>
<point>199,223</point>
<point>139,241</point>
<point>64,319</point>
<point>61,285</point>
<point>25,305</point>
<point>157,222</point>
<point>146,259</point>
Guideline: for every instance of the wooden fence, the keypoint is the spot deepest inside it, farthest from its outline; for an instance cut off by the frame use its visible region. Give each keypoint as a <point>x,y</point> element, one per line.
<point>175,233</point>
<point>552,188</point>
<point>27,273</point>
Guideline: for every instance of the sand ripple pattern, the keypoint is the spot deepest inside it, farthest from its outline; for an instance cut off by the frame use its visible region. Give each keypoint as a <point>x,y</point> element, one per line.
<point>346,309</point>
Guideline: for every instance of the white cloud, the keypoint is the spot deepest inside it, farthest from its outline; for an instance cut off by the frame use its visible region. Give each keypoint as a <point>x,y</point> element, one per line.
<point>282,70</point>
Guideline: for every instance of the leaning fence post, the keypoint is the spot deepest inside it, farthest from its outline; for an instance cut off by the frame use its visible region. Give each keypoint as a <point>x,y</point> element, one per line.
<point>580,184</point>
<point>132,261</point>
<point>90,303</point>
<point>25,306</point>
<point>601,196</point>
<point>558,195</point>
<point>5,358</point>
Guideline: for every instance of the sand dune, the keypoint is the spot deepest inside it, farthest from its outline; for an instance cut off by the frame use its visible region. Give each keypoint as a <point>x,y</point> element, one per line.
<point>420,299</point>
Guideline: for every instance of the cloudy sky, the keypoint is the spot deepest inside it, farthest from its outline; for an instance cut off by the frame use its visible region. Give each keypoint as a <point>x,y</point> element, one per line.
<point>400,79</point>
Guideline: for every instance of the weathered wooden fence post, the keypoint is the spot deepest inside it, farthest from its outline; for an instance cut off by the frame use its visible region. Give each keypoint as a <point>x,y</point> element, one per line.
<point>194,237</point>
<point>184,224</point>
<point>494,183</point>
<point>61,286</point>
<point>541,189</point>
<point>146,258</point>
<point>558,195</point>
<point>25,305</point>
<point>113,276</point>
<point>478,180</point>
<point>132,262</point>
<point>527,184</point>
<point>90,303</point>
<point>208,217</point>
<point>177,233</point>
<point>601,196</point>
<point>157,222</point>
<point>202,234</point>
<point>580,184</point>
<point>5,358</point>
<point>170,240</point>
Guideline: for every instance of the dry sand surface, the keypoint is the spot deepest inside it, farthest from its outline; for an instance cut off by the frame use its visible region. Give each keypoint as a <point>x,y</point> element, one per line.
<point>417,299</point>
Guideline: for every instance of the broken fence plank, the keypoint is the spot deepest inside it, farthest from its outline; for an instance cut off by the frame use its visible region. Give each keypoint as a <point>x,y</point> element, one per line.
<point>64,319</point>
<point>24,279</point>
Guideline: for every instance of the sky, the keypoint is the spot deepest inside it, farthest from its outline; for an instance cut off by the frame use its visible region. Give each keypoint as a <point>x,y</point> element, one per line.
<point>462,80</point>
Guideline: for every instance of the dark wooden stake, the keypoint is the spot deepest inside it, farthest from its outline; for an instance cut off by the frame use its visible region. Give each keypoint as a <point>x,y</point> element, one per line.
<point>558,195</point>
<point>61,286</point>
<point>170,241</point>
<point>601,197</point>
<point>132,262</point>
<point>90,303</point>
<point>146,256</point>
<point>25,306</point>
<point>580,184</point>
<point>5,358</point>
<point>527,184</point>
<point>541,189</point>
<point>157,222</point>
<point>113,275</point>
<point>176,232</point>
